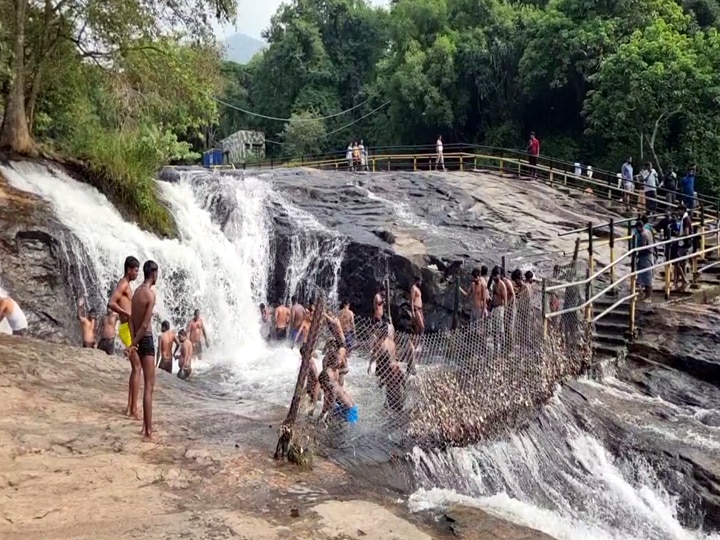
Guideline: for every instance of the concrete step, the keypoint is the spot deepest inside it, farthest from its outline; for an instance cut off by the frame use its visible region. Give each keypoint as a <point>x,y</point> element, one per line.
<point>603,350</point>
<point>608,338</point>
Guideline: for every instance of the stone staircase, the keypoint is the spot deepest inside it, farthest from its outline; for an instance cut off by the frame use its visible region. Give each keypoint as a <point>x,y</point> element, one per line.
<point>611,332</point>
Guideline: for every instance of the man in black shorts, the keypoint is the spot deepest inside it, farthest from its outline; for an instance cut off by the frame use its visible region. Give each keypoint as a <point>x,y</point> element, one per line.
<point>143,302</point>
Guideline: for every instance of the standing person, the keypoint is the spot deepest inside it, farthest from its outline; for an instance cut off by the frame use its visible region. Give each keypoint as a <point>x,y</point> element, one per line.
<point>121,303</point>
<point>363,157</point>
<point>378,304</point>
<point>644,259</point>
<point>87,325</point>
<point>533,150</point>
<point>297,316</point>
<point>688,188</point>
<point>627,181</point>
<point>108,332</point>
<point>497,309</point>
<point>670,185</point>
<point>264,322</point>
<point>143,346</point>
<point>186,356</point>
<point>10,310</point>
<point>678,249</point>
<point>195,331</point>
<point>416,305</point>
<point>439,156</point>
<point>650,188</point>
<point>510,310</point>
<point>282,318</point>
<point>165,352</point>
<point>349,156</point>
<point>356,156</point>
<point>347,323</point>
<point>478,294</point>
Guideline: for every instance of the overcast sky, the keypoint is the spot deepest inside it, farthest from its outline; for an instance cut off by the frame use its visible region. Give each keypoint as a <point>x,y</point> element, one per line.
<point>254,16</point>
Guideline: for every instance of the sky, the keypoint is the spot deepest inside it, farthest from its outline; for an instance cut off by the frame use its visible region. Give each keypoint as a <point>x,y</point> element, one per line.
<point>254,17</point>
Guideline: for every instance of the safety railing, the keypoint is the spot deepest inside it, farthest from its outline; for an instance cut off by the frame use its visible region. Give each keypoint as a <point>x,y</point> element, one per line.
<point>695,256</point>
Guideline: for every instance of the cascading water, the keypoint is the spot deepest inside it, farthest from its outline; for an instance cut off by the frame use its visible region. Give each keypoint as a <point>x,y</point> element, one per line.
<point>221,265</point>
<point>316,254</point>
<point>557,478</point>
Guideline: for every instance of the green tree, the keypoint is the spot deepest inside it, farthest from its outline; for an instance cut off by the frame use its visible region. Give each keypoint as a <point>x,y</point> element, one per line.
<point>303,135</point>
<point>655,77</point>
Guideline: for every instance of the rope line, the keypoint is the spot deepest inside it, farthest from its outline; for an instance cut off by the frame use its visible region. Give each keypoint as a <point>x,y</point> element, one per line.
<point>251,113</point>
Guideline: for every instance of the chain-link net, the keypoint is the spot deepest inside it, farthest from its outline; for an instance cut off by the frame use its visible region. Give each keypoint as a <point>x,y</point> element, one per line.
<point>384,389</point>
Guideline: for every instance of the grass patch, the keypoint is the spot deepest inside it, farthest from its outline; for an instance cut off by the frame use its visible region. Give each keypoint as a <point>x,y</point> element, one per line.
<point>122,165</point>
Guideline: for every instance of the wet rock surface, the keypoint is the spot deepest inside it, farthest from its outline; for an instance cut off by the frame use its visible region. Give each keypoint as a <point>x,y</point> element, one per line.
<point>73,466</point>
<point>399,225</point>
<point>37,270</point>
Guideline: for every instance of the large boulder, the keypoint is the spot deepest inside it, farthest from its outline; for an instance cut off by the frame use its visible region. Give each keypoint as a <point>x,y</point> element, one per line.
<point>41,264</point>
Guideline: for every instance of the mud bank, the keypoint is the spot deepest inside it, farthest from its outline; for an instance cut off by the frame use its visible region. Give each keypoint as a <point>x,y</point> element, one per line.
<point>72,466</point>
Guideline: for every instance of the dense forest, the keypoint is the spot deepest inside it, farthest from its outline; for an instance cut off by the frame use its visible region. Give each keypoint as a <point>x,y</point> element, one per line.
<point>597,80</point>
<point>127,85</point>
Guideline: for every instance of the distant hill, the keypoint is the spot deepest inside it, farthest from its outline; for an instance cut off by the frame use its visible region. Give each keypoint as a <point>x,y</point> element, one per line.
<point>241,48</point>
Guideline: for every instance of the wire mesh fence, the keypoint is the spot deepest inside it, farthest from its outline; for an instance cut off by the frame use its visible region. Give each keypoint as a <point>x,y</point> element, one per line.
<point>373,387</point>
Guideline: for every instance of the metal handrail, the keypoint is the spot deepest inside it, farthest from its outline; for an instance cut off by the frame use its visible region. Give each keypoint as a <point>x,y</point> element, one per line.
<point>614,285</point>
<point>633,251</point>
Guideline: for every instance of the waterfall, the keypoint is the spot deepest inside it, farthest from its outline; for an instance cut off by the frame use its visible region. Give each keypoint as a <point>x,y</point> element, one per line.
<point>557,478</point>
<point>221,263</point>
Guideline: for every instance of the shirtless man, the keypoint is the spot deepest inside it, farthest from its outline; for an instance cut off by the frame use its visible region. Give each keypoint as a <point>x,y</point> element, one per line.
<point>478,294</point>
<point>186,356</point>
<point>108,332</point>
<point>87,325</point>
<point>346,317</point>
<point>337,401</point>
<point>165,352</point>
<point>416,305</point>
<point>282,319</point>
<point>333,324</point>
<point>510,310</point>
<point>378,305</point>
<point>497,307</point>
<point>121,303</point>
<point>302,333</point>
<point>297,316</point>
<point>388,370</point>
<point>143,346</point>
<point>195,331</point>
<point>264,322</point>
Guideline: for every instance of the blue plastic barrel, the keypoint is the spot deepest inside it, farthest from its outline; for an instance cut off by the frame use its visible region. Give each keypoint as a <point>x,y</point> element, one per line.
<point>217,156</point>
<point>207,159</point>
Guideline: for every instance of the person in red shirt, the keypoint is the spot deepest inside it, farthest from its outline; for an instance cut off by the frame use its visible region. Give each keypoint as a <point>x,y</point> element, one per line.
<point>533,149</point>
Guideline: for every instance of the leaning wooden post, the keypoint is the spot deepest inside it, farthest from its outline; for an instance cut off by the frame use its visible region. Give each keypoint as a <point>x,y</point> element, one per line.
<point>456,303</point>
<point>286,430</point>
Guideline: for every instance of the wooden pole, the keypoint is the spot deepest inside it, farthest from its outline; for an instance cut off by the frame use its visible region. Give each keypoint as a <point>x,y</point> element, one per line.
<point>456,304</point>
<point>286,430</point>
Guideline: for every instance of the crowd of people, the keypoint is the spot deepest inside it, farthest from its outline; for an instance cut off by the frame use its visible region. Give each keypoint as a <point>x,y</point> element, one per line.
<point>357,157</point>
<point>128,317</point>
<point>652,190</point>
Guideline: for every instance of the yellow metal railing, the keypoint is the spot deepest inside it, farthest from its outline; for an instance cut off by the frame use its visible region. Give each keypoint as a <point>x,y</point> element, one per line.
<point>586,307</point>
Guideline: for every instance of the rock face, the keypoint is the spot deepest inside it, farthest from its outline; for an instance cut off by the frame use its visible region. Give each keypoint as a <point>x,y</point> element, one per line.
<point>399,225</point>
<point>36,265</point>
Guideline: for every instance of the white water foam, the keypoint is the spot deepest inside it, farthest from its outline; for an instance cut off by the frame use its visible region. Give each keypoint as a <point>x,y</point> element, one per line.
<point>570,489</point>
<point>224,273</point>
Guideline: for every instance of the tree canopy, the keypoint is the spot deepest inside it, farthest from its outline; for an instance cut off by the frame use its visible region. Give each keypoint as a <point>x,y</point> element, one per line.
<point>597,81</point>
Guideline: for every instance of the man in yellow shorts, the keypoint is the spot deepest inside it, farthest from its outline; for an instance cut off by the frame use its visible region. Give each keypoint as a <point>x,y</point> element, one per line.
<point>120,303</point>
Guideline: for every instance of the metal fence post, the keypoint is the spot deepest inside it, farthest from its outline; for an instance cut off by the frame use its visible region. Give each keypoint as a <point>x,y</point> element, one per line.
<point>694,260</point>
<point>633,293</point>
<point>611,243</point>
<point>545,308</point>
<point>702,232</point>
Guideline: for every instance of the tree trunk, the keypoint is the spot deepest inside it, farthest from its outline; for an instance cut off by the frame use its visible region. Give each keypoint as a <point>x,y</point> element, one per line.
<point>310,342</point>
<point>15,133</point>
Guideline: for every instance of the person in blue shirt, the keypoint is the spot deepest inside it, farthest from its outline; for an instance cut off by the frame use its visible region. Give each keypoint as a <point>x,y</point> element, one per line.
<point>688,188</point>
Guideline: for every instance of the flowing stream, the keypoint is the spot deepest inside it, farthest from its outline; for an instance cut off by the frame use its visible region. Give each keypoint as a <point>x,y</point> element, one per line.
<point>560,480</point>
